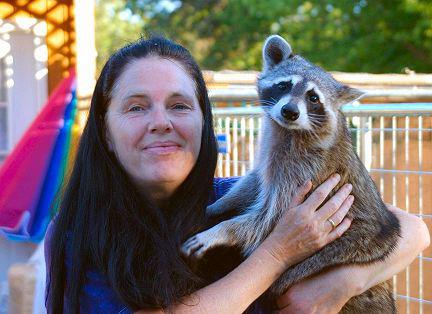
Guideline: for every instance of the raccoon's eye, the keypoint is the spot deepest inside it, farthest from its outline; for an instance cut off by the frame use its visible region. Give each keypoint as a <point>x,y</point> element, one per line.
<point>313,98</point>
<point>283,85</point>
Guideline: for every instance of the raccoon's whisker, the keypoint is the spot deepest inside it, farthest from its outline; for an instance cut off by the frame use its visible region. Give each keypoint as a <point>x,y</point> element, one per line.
<point>313,130</point>
<point>257,102</point>
<point>249,116</point>
<point>315,115</point>
<point>314,135</point>
<point>314,125</point>
<point>316,122</point>
<point>267,104</point>
<point>260,102</point>
<point>253,101</point>
<point>265,100</point>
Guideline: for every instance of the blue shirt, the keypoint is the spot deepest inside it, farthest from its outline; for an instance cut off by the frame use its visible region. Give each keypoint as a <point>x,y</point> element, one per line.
<point>97,296</point>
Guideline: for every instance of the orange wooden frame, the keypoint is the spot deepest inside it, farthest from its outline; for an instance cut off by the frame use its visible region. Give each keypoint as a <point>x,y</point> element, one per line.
<point>60,37</point>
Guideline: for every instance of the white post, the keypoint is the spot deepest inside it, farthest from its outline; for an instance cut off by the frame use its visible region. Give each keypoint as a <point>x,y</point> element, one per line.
<point>86,49</point>
<point>23,85</point>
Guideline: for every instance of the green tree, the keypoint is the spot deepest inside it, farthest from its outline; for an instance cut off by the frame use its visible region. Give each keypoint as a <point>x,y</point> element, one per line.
<point>341,35</point>
<point>115,27</point>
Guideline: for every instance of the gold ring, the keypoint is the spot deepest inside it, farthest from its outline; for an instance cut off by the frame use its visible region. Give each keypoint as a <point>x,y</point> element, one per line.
<point>332,222</point>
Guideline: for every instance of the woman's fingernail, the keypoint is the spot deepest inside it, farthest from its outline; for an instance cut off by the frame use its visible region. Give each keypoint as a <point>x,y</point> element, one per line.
<point>349,187</point>
<point>351,198</point>
<point>336,176</point>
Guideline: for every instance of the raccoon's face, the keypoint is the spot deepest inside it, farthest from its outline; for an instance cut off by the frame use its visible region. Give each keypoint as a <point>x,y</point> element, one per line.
<point>295,102</point>
<point>298,95</point>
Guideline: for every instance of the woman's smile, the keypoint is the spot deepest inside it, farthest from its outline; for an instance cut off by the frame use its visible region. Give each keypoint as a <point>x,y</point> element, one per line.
<point>162,148</point>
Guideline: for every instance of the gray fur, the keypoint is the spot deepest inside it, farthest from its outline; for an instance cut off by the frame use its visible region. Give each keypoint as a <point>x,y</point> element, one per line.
<point>291,153</point>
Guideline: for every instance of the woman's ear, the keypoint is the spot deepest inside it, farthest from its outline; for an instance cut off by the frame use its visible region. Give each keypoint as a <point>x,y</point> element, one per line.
<point>107,134</point>
<point>108,140</point>
<point>110,146</point>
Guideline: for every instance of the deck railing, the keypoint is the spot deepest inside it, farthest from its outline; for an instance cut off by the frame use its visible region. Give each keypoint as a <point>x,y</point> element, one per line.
<point>394,141</point>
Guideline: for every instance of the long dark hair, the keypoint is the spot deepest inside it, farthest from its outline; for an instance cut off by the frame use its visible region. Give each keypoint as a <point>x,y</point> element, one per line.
<point>107,224</point>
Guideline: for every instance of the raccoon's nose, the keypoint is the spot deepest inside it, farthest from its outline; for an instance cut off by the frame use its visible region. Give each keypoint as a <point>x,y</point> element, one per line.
<point>290,112</point>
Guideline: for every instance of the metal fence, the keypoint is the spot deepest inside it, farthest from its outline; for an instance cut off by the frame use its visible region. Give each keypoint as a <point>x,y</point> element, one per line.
<point>395,143</point>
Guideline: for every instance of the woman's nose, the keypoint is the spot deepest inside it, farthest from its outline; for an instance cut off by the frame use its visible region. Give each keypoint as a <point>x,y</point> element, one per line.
<point>160,121</point>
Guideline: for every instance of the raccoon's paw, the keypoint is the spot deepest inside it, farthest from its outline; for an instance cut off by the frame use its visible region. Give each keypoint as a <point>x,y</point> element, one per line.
<point>197,246</point>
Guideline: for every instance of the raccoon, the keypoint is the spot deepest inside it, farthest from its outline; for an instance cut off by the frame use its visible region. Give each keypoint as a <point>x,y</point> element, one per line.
<point>304,136</point>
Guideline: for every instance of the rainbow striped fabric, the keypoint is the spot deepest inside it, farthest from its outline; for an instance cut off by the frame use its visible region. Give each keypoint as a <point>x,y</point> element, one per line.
<point>33,172</point>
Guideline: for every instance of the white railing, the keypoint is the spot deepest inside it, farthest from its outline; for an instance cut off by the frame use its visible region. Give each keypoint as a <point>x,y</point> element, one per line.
<point>395,143</point>
<point>249,92</point>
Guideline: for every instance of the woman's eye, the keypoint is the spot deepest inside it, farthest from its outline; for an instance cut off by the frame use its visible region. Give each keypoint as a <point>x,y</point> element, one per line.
<point>314,98</point>
<point>180,106</point>
<point>136,108</point>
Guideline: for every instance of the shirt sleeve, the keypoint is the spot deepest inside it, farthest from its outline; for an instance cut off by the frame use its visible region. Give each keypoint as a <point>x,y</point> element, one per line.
<point>97,295</point>
<point>221,186</point>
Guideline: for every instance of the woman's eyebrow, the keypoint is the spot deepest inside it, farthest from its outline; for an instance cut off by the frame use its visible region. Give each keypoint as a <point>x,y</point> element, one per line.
<point>136,95</point>
<point>144,96</point>
<point>182,95</point>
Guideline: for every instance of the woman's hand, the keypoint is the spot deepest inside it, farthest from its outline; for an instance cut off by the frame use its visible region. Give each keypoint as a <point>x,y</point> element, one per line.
<point>303,229</point>
<point>328,291</point>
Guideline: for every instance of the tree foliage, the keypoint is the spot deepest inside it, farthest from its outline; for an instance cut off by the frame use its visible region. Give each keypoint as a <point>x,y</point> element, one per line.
<point>115,27</point>
<point>341,35</point>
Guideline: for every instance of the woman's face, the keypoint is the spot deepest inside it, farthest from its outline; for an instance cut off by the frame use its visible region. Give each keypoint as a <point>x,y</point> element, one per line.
<point>154,124</point>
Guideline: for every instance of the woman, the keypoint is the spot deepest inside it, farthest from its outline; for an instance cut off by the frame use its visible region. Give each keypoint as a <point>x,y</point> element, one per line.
<point>142,178</point>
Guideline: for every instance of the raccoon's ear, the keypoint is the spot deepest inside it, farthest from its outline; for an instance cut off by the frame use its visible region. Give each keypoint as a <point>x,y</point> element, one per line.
<point>275,50</point>
<point>348,94</point>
